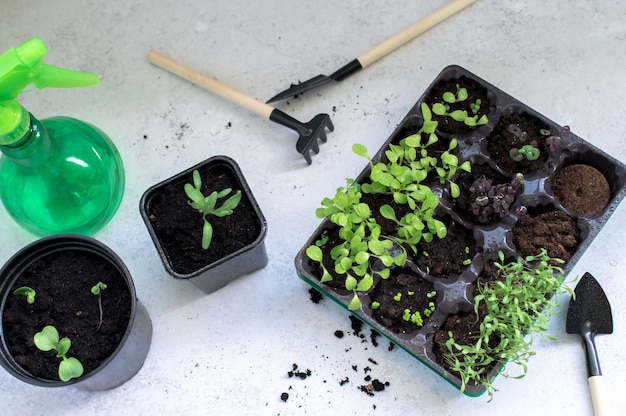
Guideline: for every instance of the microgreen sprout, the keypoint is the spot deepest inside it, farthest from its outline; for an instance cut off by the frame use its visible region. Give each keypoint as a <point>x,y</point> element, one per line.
<point>315,254</point>
<point>517,304</point>
<point>375,305</point>
<point>97,290</point>
<point>475,106</point>
<point>443,108</point>
<point>207,205</point>
<point>429,311</point>
<point>47,340</point>
<point>552,140</point>
<point>527,151</point>
<point>321,242</point>
<point>417,317</point>
<point>490,202</point>
<point>397,296</point>
<point>28,292</point>
<point>365,250</point>
<point>403,176</point>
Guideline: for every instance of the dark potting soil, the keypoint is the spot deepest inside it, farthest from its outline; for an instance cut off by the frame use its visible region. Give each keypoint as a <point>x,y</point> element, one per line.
<point>588,194</point>
<point>179,226</point>
<point>63,282</point>
<point>502,139</point>
<point>464,202</point>
<point>475,92</point>
<point>445,257</point>
<point>401,291</point>
<point>554,231</point>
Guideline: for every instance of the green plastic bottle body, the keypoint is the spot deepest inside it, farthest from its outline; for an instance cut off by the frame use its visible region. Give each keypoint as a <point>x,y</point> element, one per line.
<point>65,177</point>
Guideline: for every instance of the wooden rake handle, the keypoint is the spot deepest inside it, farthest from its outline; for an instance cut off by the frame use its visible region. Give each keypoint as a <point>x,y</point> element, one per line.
<point>209,84</point>
<point>412,31</point>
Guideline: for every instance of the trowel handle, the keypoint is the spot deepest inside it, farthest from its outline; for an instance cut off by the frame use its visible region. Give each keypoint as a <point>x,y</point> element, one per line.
<point>597,389</point>
<point>209,84</point>
<point>411,32</point>
<point>601,407</point>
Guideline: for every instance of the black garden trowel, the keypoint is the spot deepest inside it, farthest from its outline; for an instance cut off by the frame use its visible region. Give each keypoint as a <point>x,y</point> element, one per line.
<point>589,313</point>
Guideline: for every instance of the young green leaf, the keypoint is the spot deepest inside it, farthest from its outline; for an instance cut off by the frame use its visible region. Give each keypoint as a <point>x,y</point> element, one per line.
<point>98,287</point>
<point>47,339</point>
<point>355,303</point>
<point>28,292</point>
<point>197,181</point>
<point>360,150</point>
<point>314,253</point>
<point>70,368</point>
<point>207,235</point>
<point>366,283</point>
<point>351,283</point>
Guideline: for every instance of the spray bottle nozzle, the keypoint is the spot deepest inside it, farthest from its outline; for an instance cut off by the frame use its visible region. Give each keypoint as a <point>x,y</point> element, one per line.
<point>21,66</point>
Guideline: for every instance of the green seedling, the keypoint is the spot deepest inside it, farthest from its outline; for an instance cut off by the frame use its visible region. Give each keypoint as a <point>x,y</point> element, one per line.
<point>97,290</point>
<point>429,311</point>
<point>48,340</point>
<point>417,317</point>
<point>475,106</point>
<point>443,108</point>
<point>365,250</point>
<point>28,292</point>
<point>461,95</point>
<point>362,242</point>
<point>321,242</point>
<point>315,254</point>
<point>206,205</point>
<point>518,304</point>
<point>527,151</point>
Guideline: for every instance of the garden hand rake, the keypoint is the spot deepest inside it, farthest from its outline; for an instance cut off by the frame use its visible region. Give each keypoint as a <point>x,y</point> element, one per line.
<point>309,132</point>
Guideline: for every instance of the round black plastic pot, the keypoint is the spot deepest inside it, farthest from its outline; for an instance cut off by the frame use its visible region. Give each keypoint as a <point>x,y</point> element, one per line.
<point>216,273</point>
<point>129,356</point>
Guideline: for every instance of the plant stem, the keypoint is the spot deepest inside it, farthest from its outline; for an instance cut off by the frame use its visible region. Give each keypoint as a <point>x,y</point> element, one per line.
<point>100,308</point>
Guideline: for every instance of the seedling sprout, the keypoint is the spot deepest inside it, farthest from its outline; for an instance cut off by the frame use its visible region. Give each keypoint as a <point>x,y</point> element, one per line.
<point>97,290</point>
<point>47,340</point>
<point>206,205</point>
<point>28,292</point>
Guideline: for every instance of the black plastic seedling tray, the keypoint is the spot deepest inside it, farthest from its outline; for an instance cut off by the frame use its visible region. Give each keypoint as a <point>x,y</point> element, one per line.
<point>454,294</point>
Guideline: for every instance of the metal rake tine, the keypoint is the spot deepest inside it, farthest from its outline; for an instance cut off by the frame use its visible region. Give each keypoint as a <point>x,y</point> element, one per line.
<point>309,132</point>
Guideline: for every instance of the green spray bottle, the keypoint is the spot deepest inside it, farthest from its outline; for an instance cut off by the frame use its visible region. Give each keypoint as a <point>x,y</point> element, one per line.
<point>57,175</point>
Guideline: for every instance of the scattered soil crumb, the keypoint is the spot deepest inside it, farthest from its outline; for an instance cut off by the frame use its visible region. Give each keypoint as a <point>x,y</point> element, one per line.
<point>300,374</point>
<point>374,338</point>
<point>373,387</point>
<point>357,325</point>
<point>316,296</point>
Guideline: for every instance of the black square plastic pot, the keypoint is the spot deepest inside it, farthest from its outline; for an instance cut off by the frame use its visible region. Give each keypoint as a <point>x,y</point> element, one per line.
<point>129,355</point>
<point>454,293</point>
<point>232,252</point>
